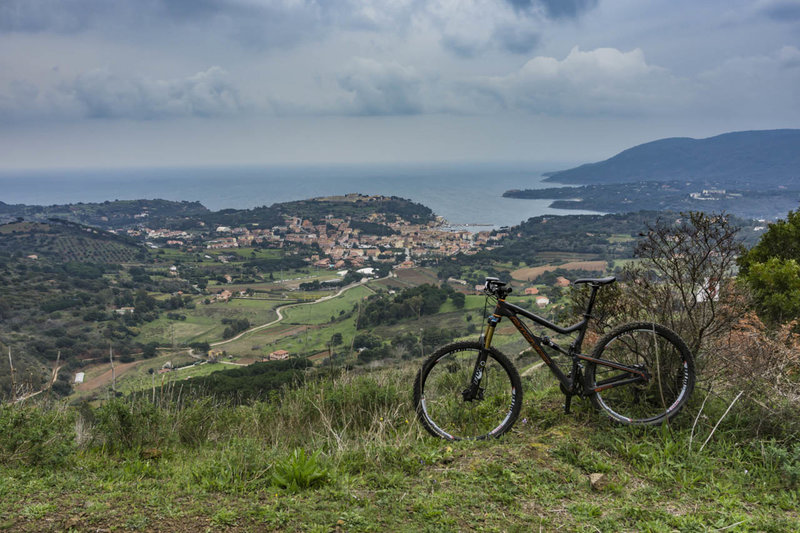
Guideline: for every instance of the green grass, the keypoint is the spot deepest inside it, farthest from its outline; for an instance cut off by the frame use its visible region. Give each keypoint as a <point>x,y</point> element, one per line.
<point>305,328</point>
<point>321,313</point>
<point>204,322</point>
<point>345,453</point>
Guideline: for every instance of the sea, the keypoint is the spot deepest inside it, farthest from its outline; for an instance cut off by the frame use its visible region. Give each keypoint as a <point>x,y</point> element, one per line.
<point>467,196</point>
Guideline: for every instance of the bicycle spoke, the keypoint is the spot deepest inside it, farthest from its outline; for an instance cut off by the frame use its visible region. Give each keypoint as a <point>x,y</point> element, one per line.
<point>440,397</point>
<point>664,359</point>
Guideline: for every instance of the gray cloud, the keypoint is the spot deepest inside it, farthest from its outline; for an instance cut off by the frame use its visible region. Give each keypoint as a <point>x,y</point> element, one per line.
<point>516,39</point>
<point>382,89</point>
<point>781,10</point>
<point>467,28</point>
<point>65,16</point>
<point>256,24</point>
<point>754,86</point>
<point>556,9</point>
<point>462,46</point>
<point>102,94</point>
<point>567,8</point>
<point>788,57</point>
<point>479,27</point>
<point>604,81</point>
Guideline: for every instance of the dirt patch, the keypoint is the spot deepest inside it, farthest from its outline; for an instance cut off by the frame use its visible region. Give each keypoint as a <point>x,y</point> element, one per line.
<point>319,356</point>
<point>417,276</point>
<point>531,273</point>
<point>105,378</point>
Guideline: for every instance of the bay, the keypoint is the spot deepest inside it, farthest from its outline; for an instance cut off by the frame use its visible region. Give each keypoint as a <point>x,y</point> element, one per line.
<point>462,194</point>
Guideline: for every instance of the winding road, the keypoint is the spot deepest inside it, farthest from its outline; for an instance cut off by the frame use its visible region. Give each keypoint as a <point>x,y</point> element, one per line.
<point>286,306</point>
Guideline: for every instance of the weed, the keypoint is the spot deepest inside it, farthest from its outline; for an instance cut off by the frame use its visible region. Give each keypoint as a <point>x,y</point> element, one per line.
<point>224,518</point>
<point>122,425</point>
<point>300,471</point>
<point>240,466</point>
<point>36,511</point>
<point>137,522</point>
<point>786,461</point>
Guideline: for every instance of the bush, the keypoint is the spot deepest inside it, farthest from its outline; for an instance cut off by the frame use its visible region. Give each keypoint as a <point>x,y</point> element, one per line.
<point>36,436</point>
<point>123,425</point>
<point>765,365</point>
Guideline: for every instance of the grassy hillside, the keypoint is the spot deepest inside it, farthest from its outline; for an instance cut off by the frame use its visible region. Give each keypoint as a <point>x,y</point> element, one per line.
<point>344,453</point>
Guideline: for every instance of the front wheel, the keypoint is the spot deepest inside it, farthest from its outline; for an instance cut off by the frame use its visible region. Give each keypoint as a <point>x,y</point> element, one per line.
<point>439,393</point>
<point>651,350</point>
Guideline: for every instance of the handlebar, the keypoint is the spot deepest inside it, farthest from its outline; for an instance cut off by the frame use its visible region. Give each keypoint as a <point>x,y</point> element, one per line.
<point>496,288</point>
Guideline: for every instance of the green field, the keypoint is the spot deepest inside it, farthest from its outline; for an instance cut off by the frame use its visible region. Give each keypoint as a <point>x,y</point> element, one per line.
<point>306,328</point>
<point>204,322</point>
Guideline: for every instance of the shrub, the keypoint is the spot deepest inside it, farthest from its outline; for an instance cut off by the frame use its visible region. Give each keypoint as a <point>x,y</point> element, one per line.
<point>765,365</point>
<point>36,436</point>
<point>122,425</point>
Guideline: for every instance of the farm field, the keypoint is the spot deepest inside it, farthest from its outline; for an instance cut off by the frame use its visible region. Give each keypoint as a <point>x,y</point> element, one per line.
<point>204,322</point>
<point>305,327</point>
<point>531,273</point>
<point>129,376</point>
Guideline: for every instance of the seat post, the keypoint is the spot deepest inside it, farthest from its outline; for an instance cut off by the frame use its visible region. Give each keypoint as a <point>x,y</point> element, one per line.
<point>592,298</point>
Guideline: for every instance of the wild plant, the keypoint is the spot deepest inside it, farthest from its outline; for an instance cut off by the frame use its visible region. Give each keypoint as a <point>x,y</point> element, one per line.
<point>36,435</point>
<point>300,471</point>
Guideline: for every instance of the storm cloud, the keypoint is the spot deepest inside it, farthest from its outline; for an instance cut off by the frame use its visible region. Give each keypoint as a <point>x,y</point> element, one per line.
<point>368,69</point>
<point>556,8</point>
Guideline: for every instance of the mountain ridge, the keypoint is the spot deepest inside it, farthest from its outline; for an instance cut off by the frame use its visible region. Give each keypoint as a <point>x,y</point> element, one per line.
<point>772,156</point>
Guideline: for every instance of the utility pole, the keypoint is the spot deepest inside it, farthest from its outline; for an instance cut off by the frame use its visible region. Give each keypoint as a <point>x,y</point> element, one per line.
<point>55,371</point>
<point>113,371</point>
<point>13,380</point>
<point>358,317</point>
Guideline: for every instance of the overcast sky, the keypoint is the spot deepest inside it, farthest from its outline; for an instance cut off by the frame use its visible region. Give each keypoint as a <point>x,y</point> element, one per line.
<point>99,83</point>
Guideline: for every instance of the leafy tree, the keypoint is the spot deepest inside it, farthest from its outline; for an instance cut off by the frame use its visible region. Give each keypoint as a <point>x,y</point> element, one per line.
<point>776,288</point>
<point>459,300</point>
<point>781,240</point>
<point>770,269</point>
<point>366,340</point>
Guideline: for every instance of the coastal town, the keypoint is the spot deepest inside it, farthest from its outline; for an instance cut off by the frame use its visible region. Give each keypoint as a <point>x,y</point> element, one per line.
<point>335,241</point>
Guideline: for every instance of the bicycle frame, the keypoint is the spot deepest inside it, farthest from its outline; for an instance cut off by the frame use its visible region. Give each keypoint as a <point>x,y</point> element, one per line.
<point>571,383</point>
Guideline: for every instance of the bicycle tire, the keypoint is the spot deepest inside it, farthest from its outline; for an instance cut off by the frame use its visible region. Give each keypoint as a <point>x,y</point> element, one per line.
<point>439,402</point>
<point>666,358</point>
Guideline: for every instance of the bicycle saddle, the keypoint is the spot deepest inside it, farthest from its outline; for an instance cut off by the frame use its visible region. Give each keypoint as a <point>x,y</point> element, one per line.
<point>595,281</point>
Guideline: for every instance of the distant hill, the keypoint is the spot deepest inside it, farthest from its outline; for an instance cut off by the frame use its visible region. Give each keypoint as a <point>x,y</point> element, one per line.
<point>358,207</point>
<point>64,241</point>
<point>767,158</point>
<point>116,214</point>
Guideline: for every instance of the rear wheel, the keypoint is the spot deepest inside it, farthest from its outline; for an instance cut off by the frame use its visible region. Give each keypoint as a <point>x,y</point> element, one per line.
<point>442,380</point>
<point>657,352</point>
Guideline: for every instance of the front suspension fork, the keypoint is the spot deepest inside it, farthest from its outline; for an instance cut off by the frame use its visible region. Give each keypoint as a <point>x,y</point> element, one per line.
<point>474,390</point>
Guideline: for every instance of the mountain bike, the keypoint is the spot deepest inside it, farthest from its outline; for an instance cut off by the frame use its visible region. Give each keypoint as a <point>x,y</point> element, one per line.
<point>639,373</point>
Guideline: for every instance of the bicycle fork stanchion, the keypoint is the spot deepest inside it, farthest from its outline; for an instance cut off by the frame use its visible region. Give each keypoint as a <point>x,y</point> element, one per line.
<point>474,391</point>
